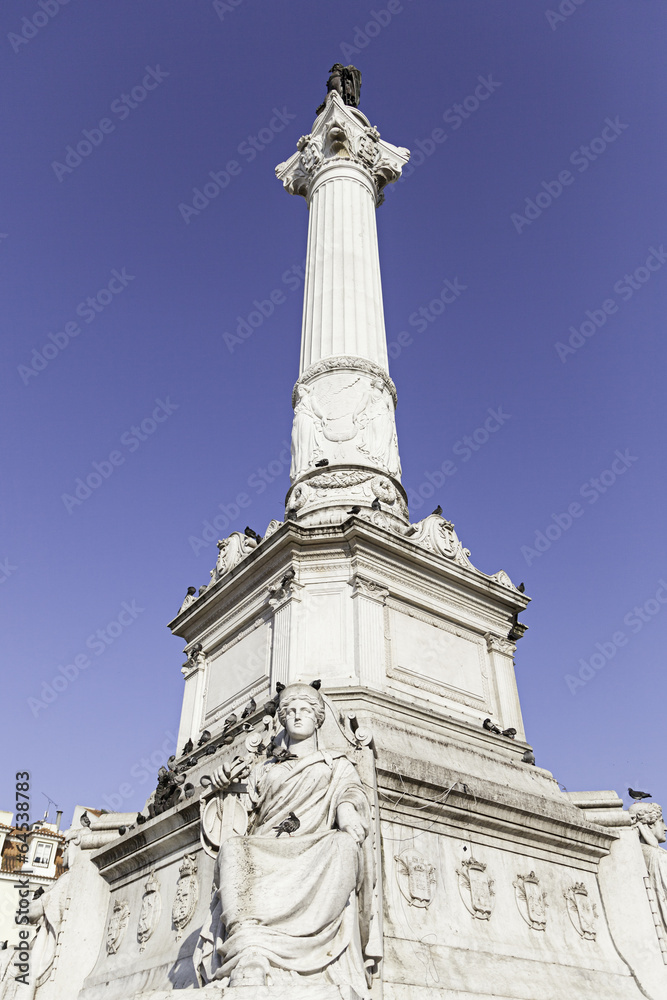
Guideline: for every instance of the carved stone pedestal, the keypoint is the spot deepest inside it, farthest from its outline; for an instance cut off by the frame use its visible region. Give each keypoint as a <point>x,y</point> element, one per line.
<point>285,991</point>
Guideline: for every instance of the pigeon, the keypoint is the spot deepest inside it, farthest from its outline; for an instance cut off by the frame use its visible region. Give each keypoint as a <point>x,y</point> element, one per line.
<point>510,733</point>
<point>528,757</point>
<point>288,826</point>
<point>188,748</point>
<point>204,738</point>
<point>289,575</point>
<point>192,591</point>
<point>292,513</point>
<point>122,830</point>
<point>247,728</point>
<point>521,588</point>
<point>227,740</point>
<point>283,754</point>
<point>376,504</point>
<point>140,819</point>
<point>316,684</point>
<point>171,761</point>
<point>438,510</point>
<point>322,462</point>
<point>39,891</point>
<point>249,533</point>
<point>491,727</point>
<point>209,751</point>
<point>249,709</point>
<point>270,708</point>
<point>638,796</point>
<point>189,790</point>
<point>354,510</point>
<point>85,819</point>
<point>231,721</point>
<point>279,686</point>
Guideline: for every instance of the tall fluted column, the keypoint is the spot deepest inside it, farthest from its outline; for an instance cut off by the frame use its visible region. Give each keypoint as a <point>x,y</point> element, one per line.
<point>344,444</point>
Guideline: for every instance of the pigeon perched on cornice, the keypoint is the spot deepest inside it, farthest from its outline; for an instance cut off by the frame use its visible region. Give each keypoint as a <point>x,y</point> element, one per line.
<point>85,819</point>
<point>249,709</point>
<point>438,511</point>
<point>188,748</point>
<point>316,684</point>
<point>204,738</point>
<point>249,533</point>
<point>510,733</point>
<point>491,727</point>
<point>231,721</point>
<point>638,796</point>
<point>322,463</point>
<point>354,510</point>
<point>528,757</point>
<point>376,504</point>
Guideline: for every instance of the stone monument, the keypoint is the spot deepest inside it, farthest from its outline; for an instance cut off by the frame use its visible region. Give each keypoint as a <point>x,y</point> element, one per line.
<point>353,811</point>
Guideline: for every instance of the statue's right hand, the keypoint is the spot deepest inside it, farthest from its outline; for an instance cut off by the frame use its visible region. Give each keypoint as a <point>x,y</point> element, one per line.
<point>221,777</point>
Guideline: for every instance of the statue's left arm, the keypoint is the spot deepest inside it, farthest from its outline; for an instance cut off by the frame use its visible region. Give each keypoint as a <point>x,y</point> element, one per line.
<point>352,812</point>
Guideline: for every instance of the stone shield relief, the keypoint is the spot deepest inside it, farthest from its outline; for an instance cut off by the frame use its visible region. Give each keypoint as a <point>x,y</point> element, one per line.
<point>476,888</point>
<point>531,900</point>
<point>118,921</point>
<point>187,895</point>
<point>149,915</point>
<point>416,878</point>
<point>582,912</point>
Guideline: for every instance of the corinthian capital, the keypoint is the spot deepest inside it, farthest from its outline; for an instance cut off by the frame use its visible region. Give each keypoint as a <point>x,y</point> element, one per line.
<point>341,135</point>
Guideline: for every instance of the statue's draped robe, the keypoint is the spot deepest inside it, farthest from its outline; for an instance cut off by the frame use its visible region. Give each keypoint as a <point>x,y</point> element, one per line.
<point>656,864</point>
<point>305,901</point>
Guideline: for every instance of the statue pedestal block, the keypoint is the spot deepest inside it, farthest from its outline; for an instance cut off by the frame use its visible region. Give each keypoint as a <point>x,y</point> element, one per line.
<point>285,991</point>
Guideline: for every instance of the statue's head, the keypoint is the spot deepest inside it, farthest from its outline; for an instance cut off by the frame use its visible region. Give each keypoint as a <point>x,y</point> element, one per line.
<point>649,815</point>
<point>301,710</point>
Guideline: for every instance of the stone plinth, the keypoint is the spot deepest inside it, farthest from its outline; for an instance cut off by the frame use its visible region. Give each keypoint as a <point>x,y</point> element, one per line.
<point>293,991</point>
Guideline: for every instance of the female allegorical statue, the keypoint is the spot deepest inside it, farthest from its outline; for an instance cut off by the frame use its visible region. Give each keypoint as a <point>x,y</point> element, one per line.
<point>293,897</point>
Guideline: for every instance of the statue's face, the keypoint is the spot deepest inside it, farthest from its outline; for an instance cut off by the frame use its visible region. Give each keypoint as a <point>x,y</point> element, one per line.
<point>660,830</point>
<point>300,719</point>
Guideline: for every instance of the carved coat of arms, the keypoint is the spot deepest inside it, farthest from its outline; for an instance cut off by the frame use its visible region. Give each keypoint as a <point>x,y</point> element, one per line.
<point>151,905</point>
<point>531,900</point>
<point>416,878</point>
<point>187,894</point>
<point>583,913</point>
<point>117,925</point>
<point>476,888</point>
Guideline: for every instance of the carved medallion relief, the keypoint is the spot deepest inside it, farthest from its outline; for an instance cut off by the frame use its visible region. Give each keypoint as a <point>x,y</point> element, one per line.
<point>187,895</point>
<point>346,417</point>
<point>149,915</point>
<point>416,878</point>
<point>117,925</point>
<point>476,888</point>
<point>582,912</point>
<point>531,900</point>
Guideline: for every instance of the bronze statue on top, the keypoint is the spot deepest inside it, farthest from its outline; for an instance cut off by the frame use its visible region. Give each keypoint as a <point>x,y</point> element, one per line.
<point>345,80</point>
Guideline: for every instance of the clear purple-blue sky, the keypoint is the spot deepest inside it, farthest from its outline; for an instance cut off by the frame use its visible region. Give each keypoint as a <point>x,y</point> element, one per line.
<point>218,77</point>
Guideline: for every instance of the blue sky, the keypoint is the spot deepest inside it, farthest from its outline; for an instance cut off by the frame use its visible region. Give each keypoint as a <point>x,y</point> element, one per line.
<point>535,191</point>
